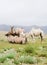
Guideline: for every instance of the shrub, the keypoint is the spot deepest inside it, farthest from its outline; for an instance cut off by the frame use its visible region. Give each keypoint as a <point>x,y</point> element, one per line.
<point>2,57</point>
<point>41,51</point>
<point>8,62</point>
<point>16,61</point>
<point>29,49</point>
<point>10,53</point>
<point>28,59</point>
<point>20,49</point>
<point>22,59</point>
<point>7,54</point>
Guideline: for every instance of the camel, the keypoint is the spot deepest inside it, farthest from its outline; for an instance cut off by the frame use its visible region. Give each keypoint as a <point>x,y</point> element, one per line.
<point>36,32</point>
<point>16,39</point>
<point>15,32</point>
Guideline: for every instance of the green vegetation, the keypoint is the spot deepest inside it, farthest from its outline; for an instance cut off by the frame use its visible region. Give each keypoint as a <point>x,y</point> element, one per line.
<point>18,54</point>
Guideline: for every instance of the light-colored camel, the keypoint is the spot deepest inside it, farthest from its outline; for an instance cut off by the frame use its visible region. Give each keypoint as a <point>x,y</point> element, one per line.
<point>36,32</point>
<point>16,39</point>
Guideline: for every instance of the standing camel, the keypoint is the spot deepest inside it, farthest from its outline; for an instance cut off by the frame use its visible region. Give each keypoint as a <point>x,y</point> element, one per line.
<point>36,32</point>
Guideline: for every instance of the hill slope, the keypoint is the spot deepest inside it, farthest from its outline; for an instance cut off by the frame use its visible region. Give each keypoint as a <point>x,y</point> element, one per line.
<point>27,28</point>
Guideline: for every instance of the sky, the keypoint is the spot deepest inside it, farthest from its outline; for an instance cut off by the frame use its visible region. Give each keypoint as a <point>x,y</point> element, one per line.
<point>23,12</point>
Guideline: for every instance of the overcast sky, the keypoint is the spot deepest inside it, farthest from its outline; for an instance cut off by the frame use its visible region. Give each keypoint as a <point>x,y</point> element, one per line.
<point>23,12</point>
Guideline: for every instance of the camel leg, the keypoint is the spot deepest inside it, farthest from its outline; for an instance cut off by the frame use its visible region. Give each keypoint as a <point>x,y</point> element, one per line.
<point>33,39</point>
<point>25,40</point>
<point>41,37</point>
<point>32,36</point>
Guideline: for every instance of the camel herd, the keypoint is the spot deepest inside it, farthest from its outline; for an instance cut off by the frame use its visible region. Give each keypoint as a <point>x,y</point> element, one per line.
<point>19,35</point>
<point>15,35</point>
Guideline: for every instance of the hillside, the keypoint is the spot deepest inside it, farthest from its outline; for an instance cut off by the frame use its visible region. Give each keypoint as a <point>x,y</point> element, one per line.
<point>27,28</point>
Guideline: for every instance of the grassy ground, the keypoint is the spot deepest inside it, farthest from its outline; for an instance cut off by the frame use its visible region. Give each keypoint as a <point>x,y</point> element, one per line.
<point>35,49</point>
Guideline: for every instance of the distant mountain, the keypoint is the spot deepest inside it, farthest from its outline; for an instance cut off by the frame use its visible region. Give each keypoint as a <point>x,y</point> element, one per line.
<point>27,28</point>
